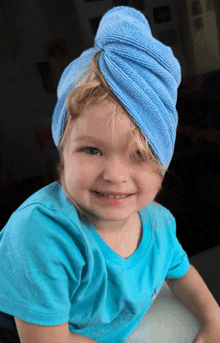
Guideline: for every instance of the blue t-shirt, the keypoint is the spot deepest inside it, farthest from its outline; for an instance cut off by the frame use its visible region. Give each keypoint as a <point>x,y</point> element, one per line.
<point>55,268</point>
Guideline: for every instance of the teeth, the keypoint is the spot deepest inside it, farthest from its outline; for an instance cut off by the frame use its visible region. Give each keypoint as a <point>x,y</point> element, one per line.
<point>114,196</point>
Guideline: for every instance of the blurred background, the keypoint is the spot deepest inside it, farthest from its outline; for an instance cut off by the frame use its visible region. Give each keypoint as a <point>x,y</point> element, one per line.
<point>40,38</point>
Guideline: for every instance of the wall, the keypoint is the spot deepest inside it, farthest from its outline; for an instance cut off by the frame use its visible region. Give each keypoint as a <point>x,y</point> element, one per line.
<point>26,26</point>
<point>200,34</point>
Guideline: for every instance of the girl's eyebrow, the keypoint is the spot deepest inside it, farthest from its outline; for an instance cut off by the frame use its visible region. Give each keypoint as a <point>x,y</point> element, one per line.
<point>89,139</point>
<point>93,139</point>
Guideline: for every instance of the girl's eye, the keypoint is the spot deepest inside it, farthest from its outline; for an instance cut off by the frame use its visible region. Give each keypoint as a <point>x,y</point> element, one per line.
<point>139,153</point>
<point>91,151</point>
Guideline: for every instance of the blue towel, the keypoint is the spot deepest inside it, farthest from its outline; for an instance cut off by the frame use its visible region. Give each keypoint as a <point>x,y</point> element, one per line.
<point>141,71</point>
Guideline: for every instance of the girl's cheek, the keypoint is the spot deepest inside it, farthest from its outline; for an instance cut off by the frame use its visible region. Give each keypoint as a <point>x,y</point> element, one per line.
<point>153,185</point>
<point>80,169</point>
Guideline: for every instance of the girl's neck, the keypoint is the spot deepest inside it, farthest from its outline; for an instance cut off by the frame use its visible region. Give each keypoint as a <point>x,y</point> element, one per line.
<point>116,227</point>
<point>124,242</point>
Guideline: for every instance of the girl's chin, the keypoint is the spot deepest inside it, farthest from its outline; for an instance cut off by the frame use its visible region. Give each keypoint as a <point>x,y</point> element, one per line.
<point>104,215</point>
<point>109,216</point>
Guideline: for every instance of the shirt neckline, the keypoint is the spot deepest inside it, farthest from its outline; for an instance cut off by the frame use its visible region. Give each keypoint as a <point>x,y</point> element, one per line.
<point>139,253</point>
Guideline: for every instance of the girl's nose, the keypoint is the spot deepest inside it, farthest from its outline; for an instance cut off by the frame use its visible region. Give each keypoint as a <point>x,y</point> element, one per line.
<point>116,170</point>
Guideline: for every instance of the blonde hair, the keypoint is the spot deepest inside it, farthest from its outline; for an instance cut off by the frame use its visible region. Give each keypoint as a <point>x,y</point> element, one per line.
<point>95,92</point>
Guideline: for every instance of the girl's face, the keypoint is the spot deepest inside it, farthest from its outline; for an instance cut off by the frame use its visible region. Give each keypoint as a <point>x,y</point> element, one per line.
<point>98,159</point>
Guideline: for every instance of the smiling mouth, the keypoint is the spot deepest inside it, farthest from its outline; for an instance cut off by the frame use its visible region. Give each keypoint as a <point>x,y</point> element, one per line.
<point>111,196</point>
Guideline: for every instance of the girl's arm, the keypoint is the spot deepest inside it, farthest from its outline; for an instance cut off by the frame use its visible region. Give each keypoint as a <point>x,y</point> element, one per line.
<point>192,292</point>
<point>31,333</point>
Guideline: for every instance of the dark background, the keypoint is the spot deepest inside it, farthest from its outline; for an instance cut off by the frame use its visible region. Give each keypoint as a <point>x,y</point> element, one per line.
<point>39,39</point>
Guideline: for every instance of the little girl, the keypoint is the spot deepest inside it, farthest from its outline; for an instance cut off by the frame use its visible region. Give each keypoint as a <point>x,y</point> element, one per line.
<point>84,258</point>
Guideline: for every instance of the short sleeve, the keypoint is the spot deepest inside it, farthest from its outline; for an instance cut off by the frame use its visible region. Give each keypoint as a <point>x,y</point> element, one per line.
<point>40,266</point>
<point>179,264</point>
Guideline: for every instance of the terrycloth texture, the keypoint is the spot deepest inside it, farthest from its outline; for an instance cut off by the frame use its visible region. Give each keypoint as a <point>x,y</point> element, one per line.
<point>141,71</point>
<point>75,71</point>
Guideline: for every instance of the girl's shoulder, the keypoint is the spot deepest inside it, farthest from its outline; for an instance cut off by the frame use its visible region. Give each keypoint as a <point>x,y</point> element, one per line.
<point>51,197</point>
<point>158,215</point>
<point>46,218</point>
<point>48,207</point>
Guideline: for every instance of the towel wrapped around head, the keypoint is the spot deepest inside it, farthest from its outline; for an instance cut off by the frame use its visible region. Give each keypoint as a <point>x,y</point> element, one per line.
<point>141,71</point>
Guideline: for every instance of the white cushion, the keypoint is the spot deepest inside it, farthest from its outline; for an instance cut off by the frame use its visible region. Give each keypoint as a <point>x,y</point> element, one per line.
<point>166,321</point>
